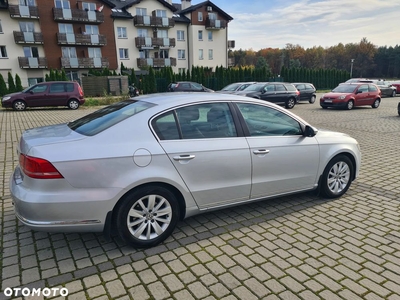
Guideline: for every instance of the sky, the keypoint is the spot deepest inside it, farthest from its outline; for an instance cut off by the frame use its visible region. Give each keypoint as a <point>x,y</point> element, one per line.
<point>259,24</point>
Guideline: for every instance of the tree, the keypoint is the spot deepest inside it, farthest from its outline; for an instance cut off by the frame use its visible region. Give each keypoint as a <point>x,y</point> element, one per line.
<point>18,84</point>
<point>3,86</point>
<point>11,84</point>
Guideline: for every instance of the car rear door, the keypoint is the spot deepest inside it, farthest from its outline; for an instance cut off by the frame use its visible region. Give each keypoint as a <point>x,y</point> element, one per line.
<point>205,148</point>
<point>283,160</point>
<point>58,95</point>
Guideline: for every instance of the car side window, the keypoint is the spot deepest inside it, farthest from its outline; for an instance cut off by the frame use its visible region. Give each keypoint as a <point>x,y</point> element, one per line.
<point>57,88</point>
<point>372,88</point>
<point>185,85</point>
<point>39,89</point>
<point>166,127</point>
<point>280,87</point>
<point>363,88</point>
<point>197,86</point>
<point>300,87</point>
<point>69,87</point>
<point>269,88</point>
<point>266,121</point>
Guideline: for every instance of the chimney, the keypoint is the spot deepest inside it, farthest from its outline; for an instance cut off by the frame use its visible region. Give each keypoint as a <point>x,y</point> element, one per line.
<point>186,3</point>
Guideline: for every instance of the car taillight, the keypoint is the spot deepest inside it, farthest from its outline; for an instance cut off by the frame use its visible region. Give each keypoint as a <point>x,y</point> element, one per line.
<point>80,91</point>
<point>38,168</point>
<point>297,92</point>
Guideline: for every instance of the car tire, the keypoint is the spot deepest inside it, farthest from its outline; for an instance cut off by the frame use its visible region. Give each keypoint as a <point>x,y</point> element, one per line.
<point>337,177</point>
<point>350,105</point>
<point>376,103</point>
<point>147,216</point>
<point>19,105</point>
<point>312,99</point>
<point>393,94</point>
<point>290,103</point>
<point>324,107</point>
<point>73,104</point>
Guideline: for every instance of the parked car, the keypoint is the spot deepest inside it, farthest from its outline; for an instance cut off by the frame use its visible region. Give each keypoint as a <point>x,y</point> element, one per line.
<point>396,84</point>
<point>138,166</point>
<point>187,86</point>
<point>386,88</point>
<point>307,91</point>
<point>53,93</point>
<point>235,87</point>
<point>276,92</point>
<point>348,95</point>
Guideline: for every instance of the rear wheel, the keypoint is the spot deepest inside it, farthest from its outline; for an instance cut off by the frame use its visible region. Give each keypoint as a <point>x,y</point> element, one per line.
<point>376,103</point>
<point>147,216</point>
<point>290,103</point>
<point>337,177</point>
<point>312,99</point>
<point>19,105</point>
<point>73,104</point>
<point>393,94</point>
<point>350,105</point>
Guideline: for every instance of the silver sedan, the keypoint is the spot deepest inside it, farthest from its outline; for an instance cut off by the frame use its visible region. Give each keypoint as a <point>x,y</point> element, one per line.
<point>139,166</point>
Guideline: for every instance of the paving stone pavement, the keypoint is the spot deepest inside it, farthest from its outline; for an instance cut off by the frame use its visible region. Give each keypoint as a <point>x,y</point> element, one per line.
<point>295,247</point>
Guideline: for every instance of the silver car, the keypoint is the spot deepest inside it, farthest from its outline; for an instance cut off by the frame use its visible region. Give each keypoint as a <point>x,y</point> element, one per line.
<point>138,166</point>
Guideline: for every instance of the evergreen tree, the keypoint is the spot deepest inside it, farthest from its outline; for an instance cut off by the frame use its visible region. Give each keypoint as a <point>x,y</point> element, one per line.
<point>63,75</point>
<point>151,78</point>
<point>11,84</point>
<point>3,86</point>
<point>18,83</point>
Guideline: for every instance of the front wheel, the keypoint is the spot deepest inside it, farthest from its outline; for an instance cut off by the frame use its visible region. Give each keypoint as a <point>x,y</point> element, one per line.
<point>312,99</point>
<point>376,103</point>
<point>19,105</point>
<point>73,104</point>
<point>337,177</point>
<point>147,216</point>
<point>290,103</point>
<point>350,105</point>
<point>393,94</point>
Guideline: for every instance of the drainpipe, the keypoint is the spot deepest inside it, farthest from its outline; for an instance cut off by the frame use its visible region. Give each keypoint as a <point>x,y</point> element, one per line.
<point>188,45</point>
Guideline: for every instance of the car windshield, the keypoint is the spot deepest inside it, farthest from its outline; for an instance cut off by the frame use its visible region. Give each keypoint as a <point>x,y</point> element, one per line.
<point>108,116</point>
<point>231,87</point>
<point>345,88</point>
<point>254,87</point>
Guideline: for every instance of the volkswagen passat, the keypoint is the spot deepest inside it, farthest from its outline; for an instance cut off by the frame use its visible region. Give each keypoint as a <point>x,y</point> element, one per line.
<point>138,166</point>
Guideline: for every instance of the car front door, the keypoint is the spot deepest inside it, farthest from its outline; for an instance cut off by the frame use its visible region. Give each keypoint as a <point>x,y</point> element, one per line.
<point>362,96</point>
<point>36,95</point>
<point>283,160</point>
<point>205,148</point>
<point>268,93</point>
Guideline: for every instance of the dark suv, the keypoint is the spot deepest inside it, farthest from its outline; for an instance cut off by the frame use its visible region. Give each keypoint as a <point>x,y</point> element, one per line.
<point>187,86</point>
<point>277,92</point>
<point>52,93</point>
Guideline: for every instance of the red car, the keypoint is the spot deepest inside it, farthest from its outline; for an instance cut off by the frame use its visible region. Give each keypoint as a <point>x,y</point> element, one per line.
<point>396,84</point>
<point>348,95</point>
<point>52,93</point>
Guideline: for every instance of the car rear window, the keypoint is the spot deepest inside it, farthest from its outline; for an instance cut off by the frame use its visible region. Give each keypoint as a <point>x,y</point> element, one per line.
<point>108,116</point>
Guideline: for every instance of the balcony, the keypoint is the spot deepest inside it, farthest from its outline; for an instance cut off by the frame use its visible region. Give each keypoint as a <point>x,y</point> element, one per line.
<point>150,21</point>
<point>78,15</point>
<point>21,11</point>
<point>156,62</point>
<point>3,4</point>
<point>81,39</point>
<point>215,24</point>
<point>28,37</point>
<point>154,42</point>
<point>84,63</point>
<point>32,62</point>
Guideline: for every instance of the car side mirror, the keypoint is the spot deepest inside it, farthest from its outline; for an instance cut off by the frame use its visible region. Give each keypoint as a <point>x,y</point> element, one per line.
<point>263,92</point>
<point>309,131</point>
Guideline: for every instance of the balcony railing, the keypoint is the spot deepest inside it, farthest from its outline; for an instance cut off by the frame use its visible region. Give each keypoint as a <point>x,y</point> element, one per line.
<point>78,15</point>
<point>28,37</point>
<point>156,62</point>
<point>151,21</point>
<point>3,4</point>
<point>84,62</point>
<point>32,62</point>
<point>154,42</point>
<point>81,39</point>
<point>215,24</point>
<point>21,11</point>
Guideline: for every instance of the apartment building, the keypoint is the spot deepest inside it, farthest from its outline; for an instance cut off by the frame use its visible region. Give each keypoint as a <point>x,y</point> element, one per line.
<point>80,35</point>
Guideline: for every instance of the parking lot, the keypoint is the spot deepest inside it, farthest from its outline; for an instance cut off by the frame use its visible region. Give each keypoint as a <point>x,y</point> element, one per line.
<point>294,247</point>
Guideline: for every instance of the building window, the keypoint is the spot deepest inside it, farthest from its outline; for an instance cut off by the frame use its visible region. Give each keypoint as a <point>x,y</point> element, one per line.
<point>201,54</point>
<point>68,52</point>
<point>200,35</point>
<point>200,16</point>
<point>65,28</point>
<point>91,29</point>
<point>141,11</point>
<point>1,28</point>
<point>27,2</point>
<point>26,26</point>
<point>164,53</point>
<point>123,53</point>
<point>89,6</point>
<point>31,51</point>
<point>180,35</point>
<point>212,16</point>
<point>210,54</point>
<point>162,33</point>
<point>3,52</point>
<point>121,31</point>
<point>62,4</point>
<point>144,53</point>
<point>142,32</point>
<point>33,81</point>
<point>181,54</point>
<point>161,13</point>
<point>94,52</point>
<point>210,35</point>
<point>181,70</point>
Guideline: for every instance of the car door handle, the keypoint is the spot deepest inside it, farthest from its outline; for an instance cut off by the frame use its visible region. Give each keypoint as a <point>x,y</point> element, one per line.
<point>184,157</point>
<point>261,151</point>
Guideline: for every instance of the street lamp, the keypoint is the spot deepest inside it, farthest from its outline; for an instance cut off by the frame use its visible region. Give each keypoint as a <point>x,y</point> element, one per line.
<point>351,68</point>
